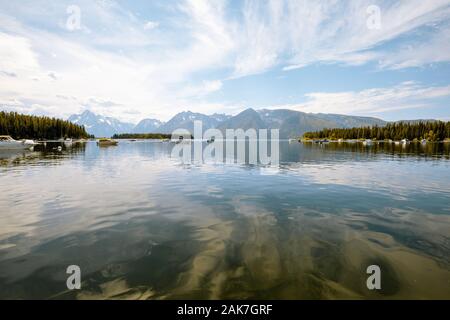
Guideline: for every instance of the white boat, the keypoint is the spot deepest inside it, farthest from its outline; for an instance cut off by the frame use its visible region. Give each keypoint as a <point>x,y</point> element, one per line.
<point>404,141</point>
<point>8,143</point>
<point>367,142</point>
<point>424,141</point>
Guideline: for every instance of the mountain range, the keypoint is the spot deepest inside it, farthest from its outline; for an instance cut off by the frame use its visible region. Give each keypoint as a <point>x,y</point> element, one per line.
<point>290,123</point>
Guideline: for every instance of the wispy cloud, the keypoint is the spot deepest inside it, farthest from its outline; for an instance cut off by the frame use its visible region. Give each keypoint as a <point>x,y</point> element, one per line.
<point>406,95</point>
<point>149,25</point>
<point>419,53</point>
<point>297,33</point>
<point>203,89</point>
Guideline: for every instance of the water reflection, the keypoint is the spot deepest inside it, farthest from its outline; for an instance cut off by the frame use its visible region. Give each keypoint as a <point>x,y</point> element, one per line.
<point>430,149</point>
<point>301,153</point>
<point>142,226</point>
<point>48,151</point>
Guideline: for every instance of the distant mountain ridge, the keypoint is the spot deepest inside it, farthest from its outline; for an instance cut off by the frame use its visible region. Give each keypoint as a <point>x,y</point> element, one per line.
<point>100,126</point>
<point>290,123</point>
<point>186,120</point>
<point>147,126</point>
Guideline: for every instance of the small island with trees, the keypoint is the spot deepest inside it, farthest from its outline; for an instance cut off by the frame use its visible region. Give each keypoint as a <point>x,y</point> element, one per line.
<point>433,131</point>
<point>154,136</point>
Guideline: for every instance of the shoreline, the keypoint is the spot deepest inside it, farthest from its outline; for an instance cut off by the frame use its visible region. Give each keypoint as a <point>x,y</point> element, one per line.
<point>326,140</point>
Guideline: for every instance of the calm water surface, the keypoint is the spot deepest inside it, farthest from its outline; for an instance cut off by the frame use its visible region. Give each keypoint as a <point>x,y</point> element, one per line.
<point>143,226</point>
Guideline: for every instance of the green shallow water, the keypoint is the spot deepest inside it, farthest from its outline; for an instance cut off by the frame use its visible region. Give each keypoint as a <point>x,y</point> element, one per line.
<point>142,226</point>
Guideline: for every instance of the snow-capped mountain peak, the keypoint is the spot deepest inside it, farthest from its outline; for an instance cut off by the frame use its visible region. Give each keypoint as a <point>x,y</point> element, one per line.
<point>99,125</point>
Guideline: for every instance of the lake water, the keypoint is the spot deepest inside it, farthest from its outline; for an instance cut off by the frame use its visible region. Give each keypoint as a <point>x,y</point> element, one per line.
<point>140,225</point>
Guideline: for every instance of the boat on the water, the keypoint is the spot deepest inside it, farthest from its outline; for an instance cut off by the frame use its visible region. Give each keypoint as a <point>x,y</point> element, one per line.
<point>8,143</point>
<point>106,142</point>
<point>367,142</point>
<point>404,141</point>
<point>68,141</point>
<point>79,141</point>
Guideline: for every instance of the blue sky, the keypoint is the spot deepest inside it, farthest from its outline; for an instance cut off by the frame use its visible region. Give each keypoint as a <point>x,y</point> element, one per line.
<point>153,59</point>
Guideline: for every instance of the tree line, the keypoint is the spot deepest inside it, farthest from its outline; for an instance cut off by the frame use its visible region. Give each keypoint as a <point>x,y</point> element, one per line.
<point>429,130</point>
<point>20,126</point>
<point>141,136</point>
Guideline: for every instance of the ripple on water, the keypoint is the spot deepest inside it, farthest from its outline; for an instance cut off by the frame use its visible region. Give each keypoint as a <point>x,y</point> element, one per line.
<point>142,226</point>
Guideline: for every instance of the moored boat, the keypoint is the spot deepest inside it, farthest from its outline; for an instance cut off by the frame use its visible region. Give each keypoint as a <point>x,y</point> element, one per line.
<point>404,141</point>
<point>8,143</point>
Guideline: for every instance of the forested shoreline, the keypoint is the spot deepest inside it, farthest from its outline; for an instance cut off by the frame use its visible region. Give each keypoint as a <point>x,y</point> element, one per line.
<point>160,136</point>
<point>20,126</point>
<point>429,130</point>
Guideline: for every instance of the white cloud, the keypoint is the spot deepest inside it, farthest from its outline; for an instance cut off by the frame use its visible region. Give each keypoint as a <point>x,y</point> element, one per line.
<point>150,25</point>
<point>53,75</point>
<point>406,95</point>
<point>16,54</point>
<point>212,86</point>
<point>204,89</point>
<point>12,102</point>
